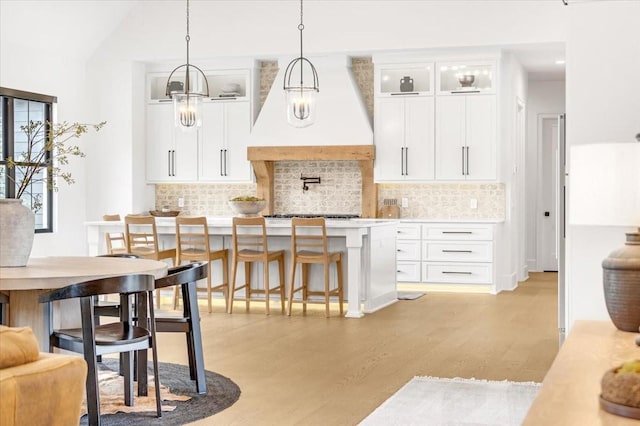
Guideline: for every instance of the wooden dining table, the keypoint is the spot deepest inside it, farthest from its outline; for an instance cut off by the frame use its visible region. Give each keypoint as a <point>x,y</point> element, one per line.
<point>42,274</point>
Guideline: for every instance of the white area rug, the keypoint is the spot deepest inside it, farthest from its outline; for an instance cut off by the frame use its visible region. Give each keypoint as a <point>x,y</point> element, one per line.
<point>436,401</point>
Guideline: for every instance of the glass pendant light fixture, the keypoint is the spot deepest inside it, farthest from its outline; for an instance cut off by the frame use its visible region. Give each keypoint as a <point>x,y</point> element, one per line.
<point>188,91</point>
<point>301,98</point>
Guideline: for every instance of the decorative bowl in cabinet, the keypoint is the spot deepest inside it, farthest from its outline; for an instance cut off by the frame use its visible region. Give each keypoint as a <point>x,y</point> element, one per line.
<point>230,87</point>
<point>466,80</point>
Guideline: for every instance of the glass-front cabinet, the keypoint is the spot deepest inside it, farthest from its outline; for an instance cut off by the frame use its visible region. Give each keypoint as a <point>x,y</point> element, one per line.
<point>465,77</point>
<point>223,84</point>
<point>404,79</point>
<point>157,84</point>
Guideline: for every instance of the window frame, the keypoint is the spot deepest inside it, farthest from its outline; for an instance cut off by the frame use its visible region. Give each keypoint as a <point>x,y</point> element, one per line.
<point>7,98</point>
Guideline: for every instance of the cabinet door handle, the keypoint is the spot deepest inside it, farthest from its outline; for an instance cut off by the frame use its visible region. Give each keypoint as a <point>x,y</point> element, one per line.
<point>405,93</point>
<point>466,91</point>
<point>173,162</point>
<point>225,162</point>
<point>221,169</point>
<point>457,272</point>
<point>462,161</point>
<point>457,232</point>
<point>457,251</point>
<point>169,162</point>
<point>406,161</point>
<point>401,161</point>
<point>467,161</point>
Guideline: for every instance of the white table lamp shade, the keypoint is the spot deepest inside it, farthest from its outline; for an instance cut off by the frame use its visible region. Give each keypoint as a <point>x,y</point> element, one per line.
<point>605,184</point>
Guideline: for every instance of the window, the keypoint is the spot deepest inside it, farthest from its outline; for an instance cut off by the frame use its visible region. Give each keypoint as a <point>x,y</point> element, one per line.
<point>18,108</point>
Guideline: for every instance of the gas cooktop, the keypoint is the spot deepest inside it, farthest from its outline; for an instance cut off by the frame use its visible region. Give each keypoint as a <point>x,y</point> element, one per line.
<point>325,215</point>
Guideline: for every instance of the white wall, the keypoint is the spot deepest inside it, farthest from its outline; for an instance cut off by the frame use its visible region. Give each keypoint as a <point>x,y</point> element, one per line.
<point>47,71</point>
<point>513,86</point>
<point>544,97</point>
<point>600,108</point>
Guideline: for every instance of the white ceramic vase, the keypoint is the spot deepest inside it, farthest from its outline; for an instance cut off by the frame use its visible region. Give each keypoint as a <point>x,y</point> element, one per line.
<point>17,223</point>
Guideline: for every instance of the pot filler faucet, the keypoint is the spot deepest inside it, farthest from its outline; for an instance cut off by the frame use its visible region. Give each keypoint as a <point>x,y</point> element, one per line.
<point>308,180</point>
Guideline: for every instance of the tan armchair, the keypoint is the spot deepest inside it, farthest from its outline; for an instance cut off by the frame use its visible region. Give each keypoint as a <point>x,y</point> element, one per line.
<point>38,388</point>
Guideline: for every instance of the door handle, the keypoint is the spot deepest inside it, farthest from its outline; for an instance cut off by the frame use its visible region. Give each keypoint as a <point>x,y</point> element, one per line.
<point>457,251</point>
<point>456,272</point>
<point>401,161</point>
<point>173,162</point>
<point>221,160</point>
<point>225,162</point>
<point>406,161</point>
<point>169,162</point>
<point>467,161</point>
<point>462,161</point>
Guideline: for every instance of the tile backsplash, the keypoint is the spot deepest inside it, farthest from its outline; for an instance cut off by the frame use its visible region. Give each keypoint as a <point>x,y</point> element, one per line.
<point>339,192</point>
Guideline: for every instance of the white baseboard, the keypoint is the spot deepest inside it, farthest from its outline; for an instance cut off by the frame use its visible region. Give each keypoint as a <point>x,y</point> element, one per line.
<point>508,282</point>
<point>532,265</point>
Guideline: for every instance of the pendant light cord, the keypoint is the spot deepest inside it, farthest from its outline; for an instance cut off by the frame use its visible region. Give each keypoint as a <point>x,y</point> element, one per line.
<point>188,39</point>
<point>301,27</point>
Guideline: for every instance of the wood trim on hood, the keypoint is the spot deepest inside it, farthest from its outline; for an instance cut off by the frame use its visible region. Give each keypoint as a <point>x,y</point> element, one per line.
<point>263,157</point>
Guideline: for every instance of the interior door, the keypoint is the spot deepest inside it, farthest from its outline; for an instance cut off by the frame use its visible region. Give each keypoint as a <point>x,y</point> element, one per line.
<point>548,211</point>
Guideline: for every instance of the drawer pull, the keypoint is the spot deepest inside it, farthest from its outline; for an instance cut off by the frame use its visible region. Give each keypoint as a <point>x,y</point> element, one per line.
<point>457,251</point>
<point>457,232</point>
<point>456,272</point>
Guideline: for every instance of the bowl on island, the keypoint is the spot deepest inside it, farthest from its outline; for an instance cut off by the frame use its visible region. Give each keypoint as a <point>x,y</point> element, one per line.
<point>247,206</point>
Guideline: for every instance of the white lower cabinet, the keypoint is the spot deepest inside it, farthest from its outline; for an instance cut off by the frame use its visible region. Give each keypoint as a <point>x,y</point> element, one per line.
<point>447,254</point>
<point>408,249</point>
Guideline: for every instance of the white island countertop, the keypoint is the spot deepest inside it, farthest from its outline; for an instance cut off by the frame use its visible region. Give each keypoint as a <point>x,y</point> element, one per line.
<point>416,219</point>
<point>369,246</point>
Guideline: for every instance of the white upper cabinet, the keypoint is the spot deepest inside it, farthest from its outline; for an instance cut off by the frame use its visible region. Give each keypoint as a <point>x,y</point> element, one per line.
<point>404,139</point>
<point>171,154</point>
<point>223,146</point>
<point>404,79</point>
<point>465,77</point>
<point>217,151</point>
<point>466,137</point>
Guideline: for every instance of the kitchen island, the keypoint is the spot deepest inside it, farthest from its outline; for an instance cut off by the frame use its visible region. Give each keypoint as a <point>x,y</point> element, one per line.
<point>369,247</point>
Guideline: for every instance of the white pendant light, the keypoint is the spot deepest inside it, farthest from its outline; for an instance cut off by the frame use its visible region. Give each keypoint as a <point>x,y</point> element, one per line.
<point>187,91</point>
<point>301,97</point>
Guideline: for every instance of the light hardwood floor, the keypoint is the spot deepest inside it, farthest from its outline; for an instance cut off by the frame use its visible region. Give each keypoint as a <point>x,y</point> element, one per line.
<point>316,371</point>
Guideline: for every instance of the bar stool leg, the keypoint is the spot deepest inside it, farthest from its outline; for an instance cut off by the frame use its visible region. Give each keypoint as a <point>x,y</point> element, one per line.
<point>281,275</point>
<point>267,299</point>
<point>247,286</point>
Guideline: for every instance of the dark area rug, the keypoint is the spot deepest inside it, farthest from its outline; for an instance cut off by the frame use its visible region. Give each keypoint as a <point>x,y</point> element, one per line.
<point>222,393</point>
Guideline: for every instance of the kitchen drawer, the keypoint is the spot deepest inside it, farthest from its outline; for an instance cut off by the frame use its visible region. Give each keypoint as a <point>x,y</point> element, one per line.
<point>457,232</point>
<point>409,231</point>
<point>408,250</point>
<point>468,251</point>
<point>408,272</point>
<point>462,273</point>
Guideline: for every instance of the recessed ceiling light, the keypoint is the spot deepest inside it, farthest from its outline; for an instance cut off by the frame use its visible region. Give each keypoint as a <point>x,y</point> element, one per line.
<point>559,61</point>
